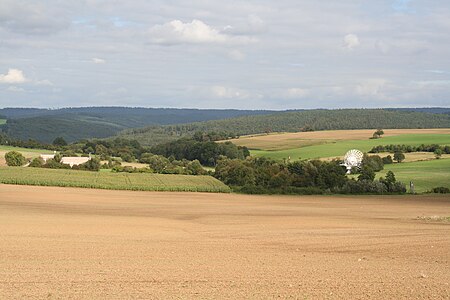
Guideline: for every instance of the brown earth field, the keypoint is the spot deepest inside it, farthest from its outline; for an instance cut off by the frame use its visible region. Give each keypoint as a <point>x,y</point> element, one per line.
<point>68,243</point>
<point>286,140</point>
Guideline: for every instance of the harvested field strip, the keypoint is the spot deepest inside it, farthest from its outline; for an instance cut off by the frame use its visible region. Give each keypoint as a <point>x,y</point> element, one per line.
<point>112,181</point>
<point>284,140</point>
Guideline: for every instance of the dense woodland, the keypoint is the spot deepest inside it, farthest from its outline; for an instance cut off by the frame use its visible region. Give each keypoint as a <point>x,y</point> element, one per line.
<point>74,124</point>
<point>292,122</point>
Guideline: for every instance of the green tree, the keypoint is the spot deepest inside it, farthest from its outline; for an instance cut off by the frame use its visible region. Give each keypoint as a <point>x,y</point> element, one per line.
<point>59,141</point>
<point>91,165</point>
<point>158,163</point>
<point>37,163</point>
<point>367,173</point>
<point>234,172</point>
<point>102,151</point>
<point>14,159</point>
<point>399,156</point>
<point>195,168</point>
<point>438,153</point>
<point>390,177</point>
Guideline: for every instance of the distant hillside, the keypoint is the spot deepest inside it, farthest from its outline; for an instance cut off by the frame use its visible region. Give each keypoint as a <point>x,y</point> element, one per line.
<point>98,122</point>
<point>294,121</point>
<point>433,110</point>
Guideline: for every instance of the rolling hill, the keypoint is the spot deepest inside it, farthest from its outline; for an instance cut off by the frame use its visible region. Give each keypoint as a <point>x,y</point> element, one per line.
<point>294,121</point>
<point>74,124</point>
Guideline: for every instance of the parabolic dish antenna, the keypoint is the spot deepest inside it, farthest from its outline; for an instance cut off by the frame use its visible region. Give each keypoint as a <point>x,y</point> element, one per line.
<point>352,159</point>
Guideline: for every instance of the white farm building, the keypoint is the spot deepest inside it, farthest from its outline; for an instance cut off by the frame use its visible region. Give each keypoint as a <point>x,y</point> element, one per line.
<point>74,161</point>
<point>70,160</point>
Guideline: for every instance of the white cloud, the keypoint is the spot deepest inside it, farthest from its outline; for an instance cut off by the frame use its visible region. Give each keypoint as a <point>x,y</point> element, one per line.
<point>432,83</point>
<point>371,87</point>
<point>351,41</point>
<point>44,82</point>
<point>96,60</point>
<point>195,32</point>
<point>15,89</point>
<point>228,92</point>
<point>252,25</point>
<point>13,76</point>
<point>296,93</point>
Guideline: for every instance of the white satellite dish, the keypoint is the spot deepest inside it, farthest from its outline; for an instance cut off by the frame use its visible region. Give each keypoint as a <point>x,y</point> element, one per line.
<point>352,159</point>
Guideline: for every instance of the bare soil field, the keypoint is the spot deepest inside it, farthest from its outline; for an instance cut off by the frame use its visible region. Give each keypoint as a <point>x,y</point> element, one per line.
<point>68,243</point>
<point>277,141</point>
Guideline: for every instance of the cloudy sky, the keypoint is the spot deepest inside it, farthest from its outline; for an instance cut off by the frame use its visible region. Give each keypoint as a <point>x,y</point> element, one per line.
<point>225,54</point>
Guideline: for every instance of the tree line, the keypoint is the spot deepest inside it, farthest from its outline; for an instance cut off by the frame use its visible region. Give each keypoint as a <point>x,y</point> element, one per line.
<point>266,176</point>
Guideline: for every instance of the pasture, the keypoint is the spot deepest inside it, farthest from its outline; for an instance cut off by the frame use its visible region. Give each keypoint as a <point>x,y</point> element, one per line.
<point>109,180</point>
<point>424,174</point>
<point>68,243</point>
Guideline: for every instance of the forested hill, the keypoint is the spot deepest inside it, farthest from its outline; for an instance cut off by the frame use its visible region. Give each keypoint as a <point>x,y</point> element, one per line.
<point>294,121</point>
<point>74,124</point>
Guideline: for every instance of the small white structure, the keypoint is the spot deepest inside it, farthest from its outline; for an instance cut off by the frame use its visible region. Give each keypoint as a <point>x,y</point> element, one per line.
<point>352,159</point>
<point>46,157</point>
<point>74,161</point>
<point>70,160</point>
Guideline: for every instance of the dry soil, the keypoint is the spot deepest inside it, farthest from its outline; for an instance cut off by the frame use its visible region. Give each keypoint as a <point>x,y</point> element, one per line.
<point>66,243</point>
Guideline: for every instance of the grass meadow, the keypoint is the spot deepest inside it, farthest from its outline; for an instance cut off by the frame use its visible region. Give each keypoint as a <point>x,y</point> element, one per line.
<point>109,180</point>
<point>2,121</point>
<point>424,174</point>
<point>339,148</point>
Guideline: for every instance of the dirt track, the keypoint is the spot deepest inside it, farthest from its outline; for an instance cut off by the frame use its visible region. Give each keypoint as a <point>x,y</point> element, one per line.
<point>80,243</point>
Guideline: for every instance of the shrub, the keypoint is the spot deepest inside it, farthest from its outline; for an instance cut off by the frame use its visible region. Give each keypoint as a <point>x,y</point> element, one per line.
<point>387,160</point>
<point>91,165</point>
<point>399,156</point>
<point>441,190</point>
<point>438,153</point>
<point>14,159</point>
<point>37,163</point>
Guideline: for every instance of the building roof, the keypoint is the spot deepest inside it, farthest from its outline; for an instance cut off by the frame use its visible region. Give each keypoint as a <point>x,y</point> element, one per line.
<point>74,160</point>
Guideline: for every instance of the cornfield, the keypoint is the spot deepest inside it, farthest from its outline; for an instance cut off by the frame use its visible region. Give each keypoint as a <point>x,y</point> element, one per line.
<point>111,181</point>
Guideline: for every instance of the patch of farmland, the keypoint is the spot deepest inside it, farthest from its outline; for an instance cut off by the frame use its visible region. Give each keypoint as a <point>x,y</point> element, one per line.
<point>108,180</point>
<point>2,121</point>
<point>69,243</point>
<point>283,141</point>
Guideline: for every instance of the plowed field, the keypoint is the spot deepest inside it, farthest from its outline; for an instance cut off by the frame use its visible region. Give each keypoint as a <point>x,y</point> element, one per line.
<point>61,243</point>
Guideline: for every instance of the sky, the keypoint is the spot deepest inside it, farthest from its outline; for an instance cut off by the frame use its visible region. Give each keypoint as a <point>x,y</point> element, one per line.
<point>286,54</point>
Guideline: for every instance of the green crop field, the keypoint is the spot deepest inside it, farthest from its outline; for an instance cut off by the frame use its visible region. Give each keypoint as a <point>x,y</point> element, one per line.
<point>108,180</point>
<point>424,174</point>
<point>338,148</point>
<point>2,121</point>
